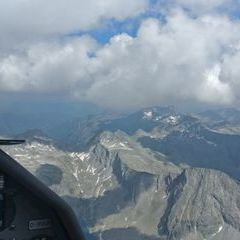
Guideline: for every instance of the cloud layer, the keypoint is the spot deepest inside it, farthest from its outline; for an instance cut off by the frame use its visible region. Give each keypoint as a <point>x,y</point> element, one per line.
<point>203,6</point>
<point>180,59</point>
<point>24,21</point>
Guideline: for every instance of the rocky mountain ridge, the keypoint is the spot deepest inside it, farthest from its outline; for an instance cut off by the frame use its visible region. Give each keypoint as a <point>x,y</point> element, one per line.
<point>118,186</point>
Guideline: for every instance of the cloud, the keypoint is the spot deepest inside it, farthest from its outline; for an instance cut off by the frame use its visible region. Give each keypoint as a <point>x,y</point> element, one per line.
<point>24,21</point>
<point>181,60</point>
<point>203,6</point>
<point>198,8</point>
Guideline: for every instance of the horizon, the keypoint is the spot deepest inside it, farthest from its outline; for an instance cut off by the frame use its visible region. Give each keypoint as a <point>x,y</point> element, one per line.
<point>48,116</point>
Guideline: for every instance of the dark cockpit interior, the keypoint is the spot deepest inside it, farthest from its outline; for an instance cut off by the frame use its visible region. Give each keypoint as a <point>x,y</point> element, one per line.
<point>29,210</point>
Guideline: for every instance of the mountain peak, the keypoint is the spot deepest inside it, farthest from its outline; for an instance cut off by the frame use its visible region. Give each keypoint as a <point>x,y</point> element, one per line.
<point>34,135</point>
<point>158,113</point>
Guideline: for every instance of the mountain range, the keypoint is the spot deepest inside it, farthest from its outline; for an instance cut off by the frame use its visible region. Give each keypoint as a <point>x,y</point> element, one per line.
<point>153,174</point>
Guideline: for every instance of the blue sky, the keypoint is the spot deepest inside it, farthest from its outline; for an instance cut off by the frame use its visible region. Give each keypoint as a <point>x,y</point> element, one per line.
<point>112,27</point>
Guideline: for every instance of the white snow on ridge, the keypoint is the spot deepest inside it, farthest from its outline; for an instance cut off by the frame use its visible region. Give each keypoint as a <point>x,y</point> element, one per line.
<point>165,197</point>
<point>148,115</point>
<point>219,230</point>
<point>75,173</point>
<point>116,145</point>
<point>122,144</point>
<point>82,156</point>
<point>19,155</point>
<point>173,119</point>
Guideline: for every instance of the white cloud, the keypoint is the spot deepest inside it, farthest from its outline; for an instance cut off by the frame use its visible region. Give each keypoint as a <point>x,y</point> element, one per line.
<point>184,59</point>
<point>203,6</point>
<point>230,71</point>
<point>213,90</point>
<point>197,8</point>
<point>22,21</point>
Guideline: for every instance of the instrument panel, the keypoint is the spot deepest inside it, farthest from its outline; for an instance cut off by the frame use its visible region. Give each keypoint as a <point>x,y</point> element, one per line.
<point>25,217</point>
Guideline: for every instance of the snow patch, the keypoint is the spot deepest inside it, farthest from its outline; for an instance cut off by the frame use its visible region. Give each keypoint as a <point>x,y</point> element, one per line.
<point>82,156</point>
<point>172,119</point>
<point>164,197</point>
<point>219,230</point>
<point>19,155</point>
<point>107,178</point>
<point>75,173</point>
<point>98,180</point>
<point>148,115</point>
<point>116,145</point>
<point>122,144</point>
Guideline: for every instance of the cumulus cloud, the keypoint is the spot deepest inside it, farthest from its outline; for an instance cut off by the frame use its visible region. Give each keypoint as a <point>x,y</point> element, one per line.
<point>204,6</point>
<point>182,59</point>
<point>24,21</point>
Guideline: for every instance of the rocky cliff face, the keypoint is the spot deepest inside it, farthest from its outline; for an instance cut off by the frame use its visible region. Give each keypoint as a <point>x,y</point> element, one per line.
<point>120,189</point>
<point>202,204</point>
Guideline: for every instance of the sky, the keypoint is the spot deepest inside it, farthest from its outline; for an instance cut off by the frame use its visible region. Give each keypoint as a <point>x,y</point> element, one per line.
<point>121,54</point>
